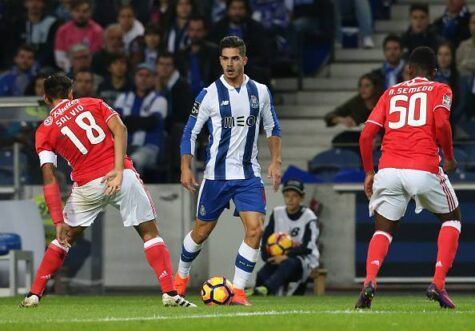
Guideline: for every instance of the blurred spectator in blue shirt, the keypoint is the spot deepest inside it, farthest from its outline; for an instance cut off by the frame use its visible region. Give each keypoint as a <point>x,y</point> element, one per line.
<point>199,62</point>
<point>146,48</point>
<point>15,81</point>
<point>453,25</point>
<point>393,67</point>
<point>177,36</point>
<point>116,81</point>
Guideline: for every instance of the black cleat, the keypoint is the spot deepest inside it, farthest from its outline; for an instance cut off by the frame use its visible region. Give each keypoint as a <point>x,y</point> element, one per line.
<point>366,296</point>
<point>441,296</point>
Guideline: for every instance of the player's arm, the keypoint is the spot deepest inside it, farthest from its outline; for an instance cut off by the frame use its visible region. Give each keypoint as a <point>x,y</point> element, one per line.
<point>443,129</point>
<point>51,190</point>
<point>373,125</point>
<point>198,117</point>
<point>119,131</point>
<point>272,129</point>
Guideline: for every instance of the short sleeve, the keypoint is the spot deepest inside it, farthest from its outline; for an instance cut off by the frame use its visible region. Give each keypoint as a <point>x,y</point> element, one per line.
<point>44,148</point>
<point>443,98</point>
<point>106,111</point>
<point>378,114</point>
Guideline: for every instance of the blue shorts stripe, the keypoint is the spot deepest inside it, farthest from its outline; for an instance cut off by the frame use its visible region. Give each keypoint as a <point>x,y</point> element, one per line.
<point>225,111</point>
<point>244,264</point>
<point>188,256</point>
<point>253,96</point>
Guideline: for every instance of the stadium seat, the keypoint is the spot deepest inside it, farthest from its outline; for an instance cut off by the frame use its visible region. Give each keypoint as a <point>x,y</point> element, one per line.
<point>328,164</point>
<point>319,277</point>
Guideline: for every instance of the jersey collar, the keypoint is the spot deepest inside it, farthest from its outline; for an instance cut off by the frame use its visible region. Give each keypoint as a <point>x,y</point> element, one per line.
<point>229,87</point>
<point>59,104</point>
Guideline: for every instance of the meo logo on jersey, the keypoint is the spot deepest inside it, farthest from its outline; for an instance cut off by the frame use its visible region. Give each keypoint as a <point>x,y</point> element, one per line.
<point>230,121</point>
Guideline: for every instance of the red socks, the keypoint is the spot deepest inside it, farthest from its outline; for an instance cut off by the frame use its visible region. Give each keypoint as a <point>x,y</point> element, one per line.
<point>377,250</point>
<point>52,261</point>
<point>158,257</point>
<point>447,244</point>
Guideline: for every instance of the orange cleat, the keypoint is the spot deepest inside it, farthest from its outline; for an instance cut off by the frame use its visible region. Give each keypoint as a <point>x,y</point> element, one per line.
<point>180,284</point>
<point>240,298</point>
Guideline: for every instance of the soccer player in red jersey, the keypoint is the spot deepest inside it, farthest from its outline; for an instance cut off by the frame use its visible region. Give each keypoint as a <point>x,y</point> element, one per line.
<point>92,138</point>
<point>415,117</point>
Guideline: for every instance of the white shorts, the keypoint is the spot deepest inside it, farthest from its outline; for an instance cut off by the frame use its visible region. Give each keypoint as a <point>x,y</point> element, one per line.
<point>87,201</point>
<point>393,188</point>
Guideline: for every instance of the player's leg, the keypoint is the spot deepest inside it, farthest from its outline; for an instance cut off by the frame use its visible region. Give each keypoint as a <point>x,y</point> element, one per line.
<point>436,194</point>
<point>79,213</point>
<point>52,260</point>
<point>190,250</point>
<point>213,197</point>
<point>388,204</point>
<point>287,271</point>
<point>158,257</point>
<point>137,209</point>
<point>249,198</point>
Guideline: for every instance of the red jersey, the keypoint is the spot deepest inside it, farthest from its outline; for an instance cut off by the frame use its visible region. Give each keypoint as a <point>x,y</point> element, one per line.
<point>406,111</point>
<point>77,130</point>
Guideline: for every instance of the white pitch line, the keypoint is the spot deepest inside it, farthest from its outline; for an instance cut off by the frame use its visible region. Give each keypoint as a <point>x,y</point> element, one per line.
<point>237,314</point>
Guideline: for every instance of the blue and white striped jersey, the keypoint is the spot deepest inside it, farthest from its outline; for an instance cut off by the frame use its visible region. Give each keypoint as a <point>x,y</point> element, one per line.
<point>233,116</point>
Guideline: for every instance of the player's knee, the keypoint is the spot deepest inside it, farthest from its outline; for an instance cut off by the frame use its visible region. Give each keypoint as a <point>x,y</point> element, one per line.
<point>200,235</point>
<point>254,232</point>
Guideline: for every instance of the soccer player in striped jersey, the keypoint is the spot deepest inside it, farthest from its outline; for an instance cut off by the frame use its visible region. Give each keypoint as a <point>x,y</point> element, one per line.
<point>232,108</point>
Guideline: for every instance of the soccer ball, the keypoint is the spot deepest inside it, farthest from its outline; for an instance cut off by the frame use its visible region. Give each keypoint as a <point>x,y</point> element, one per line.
<point>278,243</point>
<point>217,291</point>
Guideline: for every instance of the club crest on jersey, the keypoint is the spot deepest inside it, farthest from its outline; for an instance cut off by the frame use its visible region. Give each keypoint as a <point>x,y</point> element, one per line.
<point>202,210</point>
<point>196,109</point>
<point>48,121</point>
<point>254,102</point>
<point>447,100</point>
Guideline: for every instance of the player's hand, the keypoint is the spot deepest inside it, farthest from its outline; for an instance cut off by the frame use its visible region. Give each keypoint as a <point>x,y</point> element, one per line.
<point>273,172</point>
<point>450,166</point>
<point>62,234</point>
<point>188,180</point>
<point>113,181</point>
<point>277,259</point>
<point>368,184</point>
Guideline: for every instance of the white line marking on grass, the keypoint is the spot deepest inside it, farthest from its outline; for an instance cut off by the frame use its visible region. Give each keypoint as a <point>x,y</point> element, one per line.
<point>236,314</point>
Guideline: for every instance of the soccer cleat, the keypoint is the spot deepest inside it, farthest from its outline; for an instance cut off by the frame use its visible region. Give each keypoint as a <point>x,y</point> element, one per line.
<point>441,296</point>
<point>366,296</point>
<point>261,291</point>
<point>240,298</point>
<point>30,301</point>
<point>176,301</point>
<point>180,284</point>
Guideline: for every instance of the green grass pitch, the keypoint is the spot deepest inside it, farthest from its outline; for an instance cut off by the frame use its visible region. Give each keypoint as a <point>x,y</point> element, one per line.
<point>332,312</point>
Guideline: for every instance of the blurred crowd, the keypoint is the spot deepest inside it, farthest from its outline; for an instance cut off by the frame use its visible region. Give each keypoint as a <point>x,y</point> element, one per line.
<point>451,36</point>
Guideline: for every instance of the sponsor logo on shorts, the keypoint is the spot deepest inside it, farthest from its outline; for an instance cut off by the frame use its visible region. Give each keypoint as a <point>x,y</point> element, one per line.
<point>202,210</point>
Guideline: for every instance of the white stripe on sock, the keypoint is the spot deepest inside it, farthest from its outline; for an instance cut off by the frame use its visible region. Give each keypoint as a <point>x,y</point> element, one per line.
<point>57,244</point>
<point>191,247</point>
<point>387,235</point>
<point>152,242</point>
<point>454,224</point>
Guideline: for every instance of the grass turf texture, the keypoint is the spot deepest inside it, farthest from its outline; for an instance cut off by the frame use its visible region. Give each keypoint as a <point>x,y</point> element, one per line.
<point>128,313</point>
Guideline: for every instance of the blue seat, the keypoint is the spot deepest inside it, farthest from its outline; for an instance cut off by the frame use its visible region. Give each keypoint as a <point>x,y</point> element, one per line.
<point>327,164</point>
<point>304,176</point>
<point>349,176</point>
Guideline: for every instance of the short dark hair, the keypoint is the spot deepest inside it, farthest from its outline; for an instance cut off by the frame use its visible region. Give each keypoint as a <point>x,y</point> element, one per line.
<point>57,86</point>
<point>116,57</point>
<point>419,6</point>
<point>198,17</point>
<point>77,3</point>
<point>423,58</point>
<point>26,48</point>
<point>392,38</point>
<point>166,55</point>
<point>246,4</point>
<point>233,42</point>
<point>126,7</point>
<point>84,71</point>
<point>152,29</point>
